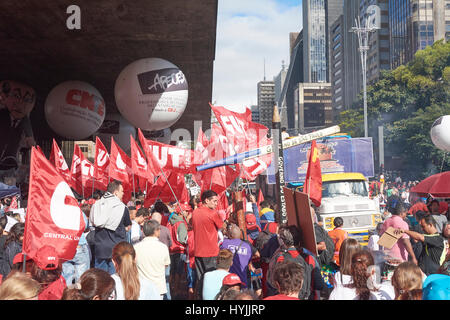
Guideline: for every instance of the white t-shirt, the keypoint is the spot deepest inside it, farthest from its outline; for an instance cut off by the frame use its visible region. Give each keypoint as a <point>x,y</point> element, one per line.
<point>152,257</point>
<point>135,232</point>
<point>386,292</point>
<point>148,290</point>
<point>346,279</point>
<point>373,243</point>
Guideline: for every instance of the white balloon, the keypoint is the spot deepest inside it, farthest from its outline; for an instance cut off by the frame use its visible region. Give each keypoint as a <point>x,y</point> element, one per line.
<point>151,93</point>
<point>440,133</point>
<point>74,109</point>
<point>119,128</point>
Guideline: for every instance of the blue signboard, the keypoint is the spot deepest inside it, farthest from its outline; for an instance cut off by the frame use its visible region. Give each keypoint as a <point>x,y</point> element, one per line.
<point>336,155</point>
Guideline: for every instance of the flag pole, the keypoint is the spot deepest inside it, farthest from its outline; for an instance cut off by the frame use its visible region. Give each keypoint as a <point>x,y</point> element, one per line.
<point>279,164</point>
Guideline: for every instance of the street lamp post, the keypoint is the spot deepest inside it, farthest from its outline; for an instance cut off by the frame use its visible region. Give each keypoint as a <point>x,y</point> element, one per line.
<point>363,38</point>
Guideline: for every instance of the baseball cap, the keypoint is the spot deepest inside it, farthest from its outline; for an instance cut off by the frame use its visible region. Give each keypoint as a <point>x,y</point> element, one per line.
<point>436,287</point>
<point>46,258</point>
<point>232,279</point>
<point>19,258</point>
<point>250,220</point>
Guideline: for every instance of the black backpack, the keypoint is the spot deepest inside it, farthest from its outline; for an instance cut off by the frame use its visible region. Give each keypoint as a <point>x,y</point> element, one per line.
<point>326,256</point>
<point>305,291</point>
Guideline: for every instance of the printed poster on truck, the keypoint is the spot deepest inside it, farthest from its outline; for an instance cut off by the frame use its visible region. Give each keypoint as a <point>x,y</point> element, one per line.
<point>336,156</point>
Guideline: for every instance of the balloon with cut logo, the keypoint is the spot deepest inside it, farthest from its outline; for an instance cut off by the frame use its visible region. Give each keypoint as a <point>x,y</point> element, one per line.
<point>74,109</point>
<point>151,93</point>
<point>119,128</point>
<point>440,133</point>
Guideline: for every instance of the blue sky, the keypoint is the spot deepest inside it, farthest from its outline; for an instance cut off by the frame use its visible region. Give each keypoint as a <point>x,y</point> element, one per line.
<point>249,32</point>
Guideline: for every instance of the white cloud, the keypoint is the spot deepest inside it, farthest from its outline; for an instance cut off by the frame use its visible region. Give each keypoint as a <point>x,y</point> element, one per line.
<point>249,31</point>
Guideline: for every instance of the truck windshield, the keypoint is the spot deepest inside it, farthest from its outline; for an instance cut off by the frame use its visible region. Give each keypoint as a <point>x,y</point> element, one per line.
<point>333,189</point>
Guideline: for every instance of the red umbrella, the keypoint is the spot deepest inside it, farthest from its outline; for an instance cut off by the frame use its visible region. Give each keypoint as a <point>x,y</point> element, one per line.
<point>437,185</point>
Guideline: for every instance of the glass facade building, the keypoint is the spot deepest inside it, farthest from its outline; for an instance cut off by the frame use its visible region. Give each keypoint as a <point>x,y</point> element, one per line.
<point>414,25</point>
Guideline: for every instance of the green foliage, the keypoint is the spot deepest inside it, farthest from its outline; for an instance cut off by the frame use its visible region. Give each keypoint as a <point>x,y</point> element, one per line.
<point>406,101</point>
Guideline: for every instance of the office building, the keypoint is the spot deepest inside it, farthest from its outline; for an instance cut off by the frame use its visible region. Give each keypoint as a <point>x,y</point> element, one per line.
<point>313,100</point>
<point>278,88</point>
<point>415,24</point>
<point>255,113</point>
<point>266,102</point>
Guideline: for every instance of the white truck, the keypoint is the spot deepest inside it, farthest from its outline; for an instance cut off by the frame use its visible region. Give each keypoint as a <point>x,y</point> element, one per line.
<point>346,195</point>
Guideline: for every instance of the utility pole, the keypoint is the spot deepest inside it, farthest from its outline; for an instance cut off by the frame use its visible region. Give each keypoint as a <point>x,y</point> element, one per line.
<point>363,37</point>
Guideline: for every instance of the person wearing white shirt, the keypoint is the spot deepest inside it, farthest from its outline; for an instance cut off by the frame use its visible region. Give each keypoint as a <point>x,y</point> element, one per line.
<point>152,256</point>
<point>362,286</point>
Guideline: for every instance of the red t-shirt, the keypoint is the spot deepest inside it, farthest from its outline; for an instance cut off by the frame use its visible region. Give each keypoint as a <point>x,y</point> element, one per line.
<point>205,223</point>
<point>280,297</point>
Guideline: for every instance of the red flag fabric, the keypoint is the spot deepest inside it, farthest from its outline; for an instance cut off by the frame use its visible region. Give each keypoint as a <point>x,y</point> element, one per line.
<point>120,164</point>
<point>87,176</point>
<point>138,162</point>
<point>75,170</point>
<point>40,150</point>
<point>167,156</point>
<point>162,190</point>
<point>57,159</point>
<point>53,215</point>
<point>101,165</point>
<point>13,204</point>
<point>313,180</point>
<point>120,169</point>
<point>260,199</point>
<point>243,135</point>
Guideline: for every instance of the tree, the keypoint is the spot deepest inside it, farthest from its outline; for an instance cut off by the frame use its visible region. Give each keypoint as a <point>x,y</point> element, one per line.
<point>406,101</point>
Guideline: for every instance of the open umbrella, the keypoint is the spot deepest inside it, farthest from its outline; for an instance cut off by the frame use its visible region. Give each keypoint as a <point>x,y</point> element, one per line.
<point>437,185</point>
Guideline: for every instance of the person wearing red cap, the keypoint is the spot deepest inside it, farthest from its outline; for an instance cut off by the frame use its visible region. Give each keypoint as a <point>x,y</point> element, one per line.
<point>47,271</point>
<point>253,228</point>
<point>230,282</point>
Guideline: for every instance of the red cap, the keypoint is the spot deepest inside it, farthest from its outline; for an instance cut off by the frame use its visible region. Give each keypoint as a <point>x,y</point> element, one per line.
<point>232,279</point>
<point>47,258</point>
<point>250,220</point>
<point>19,258</point>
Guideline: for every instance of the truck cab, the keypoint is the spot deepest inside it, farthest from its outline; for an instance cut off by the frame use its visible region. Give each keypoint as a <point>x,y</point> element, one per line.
<point>346,195</point>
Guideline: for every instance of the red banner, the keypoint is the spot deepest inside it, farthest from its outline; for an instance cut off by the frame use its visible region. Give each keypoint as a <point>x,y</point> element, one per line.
<point>53,215</point>
<point>75,170</point>
<point>313,180</point>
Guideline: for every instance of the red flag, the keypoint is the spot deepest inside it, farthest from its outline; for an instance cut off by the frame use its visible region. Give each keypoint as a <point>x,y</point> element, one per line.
<point>260,199</point>
<point>57,159</point>
<point>162,189</point>
<point>167,156</point>
<point>101,165</point>
<point>120,169</point>
<point>53,215</point>
<point>87,176</point>
<point>243,135</point>
<point>138,162</point>
<point>75,170</point>
<point>313,180</point>
<point>13,204</point>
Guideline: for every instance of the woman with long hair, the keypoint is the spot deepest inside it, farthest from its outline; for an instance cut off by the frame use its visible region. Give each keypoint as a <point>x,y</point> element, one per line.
<point>129,284</point>
<point>407,282</point>
<point>95,284</point>
<point>348,247</point>
<point>361,276</point>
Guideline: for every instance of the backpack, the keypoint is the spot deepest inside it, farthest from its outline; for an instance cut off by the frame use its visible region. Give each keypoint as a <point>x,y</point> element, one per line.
<point>305,291</point>
<point>326,256</point>
<point>262,239</point>
<point>177,247</point>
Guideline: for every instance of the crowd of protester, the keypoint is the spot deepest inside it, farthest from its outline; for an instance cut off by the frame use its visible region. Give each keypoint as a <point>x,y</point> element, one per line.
<point>181,251</point>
